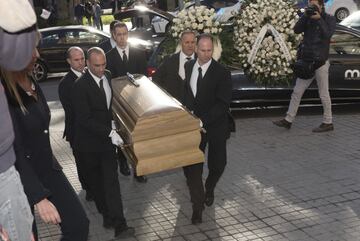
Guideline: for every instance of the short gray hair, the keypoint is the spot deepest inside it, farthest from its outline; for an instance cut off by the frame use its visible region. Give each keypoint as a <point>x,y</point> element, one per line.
<point>95,50</point>
<point>68,52</point>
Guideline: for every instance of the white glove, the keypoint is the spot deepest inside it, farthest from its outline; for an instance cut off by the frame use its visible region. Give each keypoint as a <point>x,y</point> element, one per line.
<point>113,125</point>
<point>115,138</point>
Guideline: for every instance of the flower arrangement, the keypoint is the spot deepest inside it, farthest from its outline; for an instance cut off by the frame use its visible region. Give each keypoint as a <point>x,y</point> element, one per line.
<point>265,40</point>
<point>201,20</point>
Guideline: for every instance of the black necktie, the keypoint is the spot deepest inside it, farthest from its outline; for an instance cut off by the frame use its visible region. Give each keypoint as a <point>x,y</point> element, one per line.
<point>124,57</point>
<point>199,79</point>
<point>101,84</point>
<point>188,58</point>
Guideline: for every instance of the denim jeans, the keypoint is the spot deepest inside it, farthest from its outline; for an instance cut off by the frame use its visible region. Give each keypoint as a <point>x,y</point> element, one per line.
<point>15,213</point>
<point>322,79</point>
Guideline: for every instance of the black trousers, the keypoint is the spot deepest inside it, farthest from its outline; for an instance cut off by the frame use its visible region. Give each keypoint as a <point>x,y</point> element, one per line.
<point>100,171</point>
<point>80,172</point>
<point>216,161</point>
<point>74,222</point>
<point>216,164</point>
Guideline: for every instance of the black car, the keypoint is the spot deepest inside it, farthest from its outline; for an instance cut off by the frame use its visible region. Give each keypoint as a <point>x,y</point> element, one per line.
<point>56,41</point>
<point>344,76</point>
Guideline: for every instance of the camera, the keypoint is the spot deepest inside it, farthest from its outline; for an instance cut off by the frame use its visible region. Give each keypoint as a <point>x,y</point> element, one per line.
<point>311,10</point>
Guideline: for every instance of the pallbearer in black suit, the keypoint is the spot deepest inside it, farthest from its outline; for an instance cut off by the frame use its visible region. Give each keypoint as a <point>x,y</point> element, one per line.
<point>171,73</point>
<point>110,43</point>
<point>76,60</point>
<point>208,94</point>
<point>95,141</point>
<point>123,59</point>
<point>171,77</point>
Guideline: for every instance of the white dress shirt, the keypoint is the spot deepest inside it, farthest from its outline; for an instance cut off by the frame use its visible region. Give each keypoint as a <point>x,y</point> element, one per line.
<point>195,74</point>
<point>182,62</point>
<point>112,42</point>
<point>120,50</point>
<point>106,86</point>
<point>77,73</point>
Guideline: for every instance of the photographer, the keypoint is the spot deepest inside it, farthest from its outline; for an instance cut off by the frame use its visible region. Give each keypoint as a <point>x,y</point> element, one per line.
<point>312,63</point>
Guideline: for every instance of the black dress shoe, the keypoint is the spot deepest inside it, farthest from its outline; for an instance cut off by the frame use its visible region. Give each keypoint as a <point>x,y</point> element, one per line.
<point>196,217</point>
<point>124,231</point>
<point>124,168</point>
<point>108,223</point>
<point>209,200</point>
<point>141,179</point>
<point>89,197</point>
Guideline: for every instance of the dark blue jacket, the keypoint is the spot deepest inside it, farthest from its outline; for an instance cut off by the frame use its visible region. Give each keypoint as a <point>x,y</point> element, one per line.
<point>317,35</point>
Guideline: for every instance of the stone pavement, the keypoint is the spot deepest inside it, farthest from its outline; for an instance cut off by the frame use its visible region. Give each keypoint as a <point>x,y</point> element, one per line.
<point>278,185</point>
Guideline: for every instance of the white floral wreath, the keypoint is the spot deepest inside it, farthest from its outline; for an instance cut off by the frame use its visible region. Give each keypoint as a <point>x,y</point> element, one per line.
<point>201,20</point>
<point>264,37</point>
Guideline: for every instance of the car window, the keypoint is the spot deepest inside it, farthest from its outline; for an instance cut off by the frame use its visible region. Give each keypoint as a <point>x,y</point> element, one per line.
<point>82,37</point>
<point>344,43</point>
<point>48,40</point>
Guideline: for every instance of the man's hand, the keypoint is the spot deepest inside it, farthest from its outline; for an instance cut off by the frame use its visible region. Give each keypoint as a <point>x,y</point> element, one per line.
<point>115,138</point>
<point>48,212</point>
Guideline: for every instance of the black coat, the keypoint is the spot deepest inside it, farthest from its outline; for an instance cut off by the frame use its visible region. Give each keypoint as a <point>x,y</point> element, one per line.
<point>105,45</point>
<point>212,100</point>
<point>65,88</point>
<point>317,35</point>
<point>92,116</point>
<point>136,63</point>
<point>35,160</point>
<point>167,77</point>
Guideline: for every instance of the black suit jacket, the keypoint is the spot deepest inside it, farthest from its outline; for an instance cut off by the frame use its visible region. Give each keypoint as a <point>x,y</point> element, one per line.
<point>92,118</point>
<point>212,100</point>
<point>167,77</point>
<point>34,157</point>
<point>105,45</point>
<point>136,63</point>
<point>65,89</point>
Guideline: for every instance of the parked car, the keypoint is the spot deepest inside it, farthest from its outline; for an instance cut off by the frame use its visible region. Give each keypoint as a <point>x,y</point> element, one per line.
<point>352,21</point>
<point>344,76</point>
<point>147,22</point>
<point>56,41</point>
<point>340,8</point>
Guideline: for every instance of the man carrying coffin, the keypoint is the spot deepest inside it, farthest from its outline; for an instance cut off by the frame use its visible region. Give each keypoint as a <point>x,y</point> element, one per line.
<point>76,60</point>
<point>171,77</point>
<point>95,141</point>
<point>121,60</point>
<point>208,94</point>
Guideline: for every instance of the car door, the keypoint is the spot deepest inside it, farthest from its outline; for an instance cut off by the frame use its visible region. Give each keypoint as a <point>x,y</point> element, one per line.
<point>344,72</point>
<point>52,49</point>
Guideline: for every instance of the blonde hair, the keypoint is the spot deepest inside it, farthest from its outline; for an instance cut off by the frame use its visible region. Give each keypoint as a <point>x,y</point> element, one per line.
<point>8,77</point>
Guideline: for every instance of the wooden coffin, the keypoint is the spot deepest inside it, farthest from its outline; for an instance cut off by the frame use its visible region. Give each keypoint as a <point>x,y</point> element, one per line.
<point>159,133</point>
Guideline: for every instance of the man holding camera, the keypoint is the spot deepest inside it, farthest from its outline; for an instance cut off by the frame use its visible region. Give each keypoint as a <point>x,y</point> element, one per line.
<point>318,27</point>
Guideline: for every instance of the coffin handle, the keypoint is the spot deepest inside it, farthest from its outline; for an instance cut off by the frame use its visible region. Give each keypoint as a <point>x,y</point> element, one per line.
<point>132,79</point>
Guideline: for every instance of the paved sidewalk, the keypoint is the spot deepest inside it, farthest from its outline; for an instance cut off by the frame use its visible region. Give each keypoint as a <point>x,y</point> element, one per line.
<point>278,185</point>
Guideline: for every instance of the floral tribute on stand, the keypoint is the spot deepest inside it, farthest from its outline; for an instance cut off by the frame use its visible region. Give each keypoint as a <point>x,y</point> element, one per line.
<point>265,40</point>
<point>200,20</point>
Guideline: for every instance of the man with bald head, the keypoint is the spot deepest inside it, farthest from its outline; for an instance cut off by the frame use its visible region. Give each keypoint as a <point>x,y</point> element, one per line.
<point>207,94</point>
<point>95,141</point>
<point>76,60</point>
